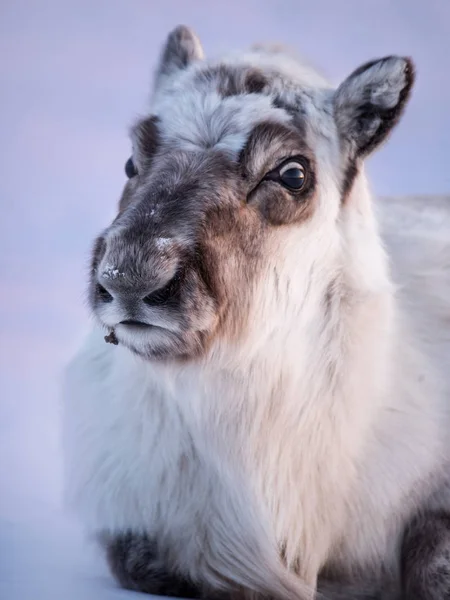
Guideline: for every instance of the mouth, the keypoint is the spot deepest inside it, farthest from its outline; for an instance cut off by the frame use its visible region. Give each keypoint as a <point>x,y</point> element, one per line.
<point>144,339</point>
<point>132,324</point>
<point>131,332</point>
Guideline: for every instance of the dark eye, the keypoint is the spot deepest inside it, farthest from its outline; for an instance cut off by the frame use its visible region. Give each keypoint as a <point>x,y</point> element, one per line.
<point>130,169</point>
<point>292,175</point>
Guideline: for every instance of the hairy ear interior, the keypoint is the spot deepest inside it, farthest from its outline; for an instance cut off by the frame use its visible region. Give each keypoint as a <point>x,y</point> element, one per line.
<point>181,49</point>
<point>369,103</point>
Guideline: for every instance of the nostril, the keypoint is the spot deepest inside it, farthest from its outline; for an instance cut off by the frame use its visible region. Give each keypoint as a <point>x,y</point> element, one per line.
<point>163,295</point>
<point>103,295</point>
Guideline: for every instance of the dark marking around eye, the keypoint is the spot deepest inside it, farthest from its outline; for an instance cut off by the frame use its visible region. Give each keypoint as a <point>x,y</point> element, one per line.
<point>130,169</point>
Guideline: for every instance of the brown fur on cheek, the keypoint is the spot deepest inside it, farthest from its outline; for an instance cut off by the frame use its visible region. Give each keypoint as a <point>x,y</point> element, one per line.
<point>233,249</point>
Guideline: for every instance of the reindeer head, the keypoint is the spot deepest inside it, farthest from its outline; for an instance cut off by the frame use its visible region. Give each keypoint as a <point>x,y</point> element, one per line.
<point>235,188</point>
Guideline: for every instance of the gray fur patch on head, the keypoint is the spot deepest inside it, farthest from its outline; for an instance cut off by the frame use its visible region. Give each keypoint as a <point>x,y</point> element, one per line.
<point>215,104</point>
<point>233,80</point>
<point>206,120</point>
<point>369,103</point>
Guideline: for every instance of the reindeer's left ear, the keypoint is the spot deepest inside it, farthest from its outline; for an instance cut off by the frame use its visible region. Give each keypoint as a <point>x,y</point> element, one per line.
<point>181,49</point>
<point>369,103</point>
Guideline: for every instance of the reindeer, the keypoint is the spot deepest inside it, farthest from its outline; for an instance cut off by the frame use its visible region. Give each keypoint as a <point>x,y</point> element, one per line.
<point>271,418</point>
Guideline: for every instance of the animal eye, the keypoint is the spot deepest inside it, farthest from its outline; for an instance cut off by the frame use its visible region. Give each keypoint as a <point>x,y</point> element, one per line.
<point>292,175</point>
<point>130,168</point>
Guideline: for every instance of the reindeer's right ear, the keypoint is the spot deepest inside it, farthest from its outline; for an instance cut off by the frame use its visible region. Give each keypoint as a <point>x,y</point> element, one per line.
<point>369,103</point>
<point>181,49</point>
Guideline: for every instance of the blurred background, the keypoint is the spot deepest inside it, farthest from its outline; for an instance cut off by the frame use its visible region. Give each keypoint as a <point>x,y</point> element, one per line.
<point>74,74</point>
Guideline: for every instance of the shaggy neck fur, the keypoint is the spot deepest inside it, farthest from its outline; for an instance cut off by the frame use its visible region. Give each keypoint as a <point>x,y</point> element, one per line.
<point>339,319</point>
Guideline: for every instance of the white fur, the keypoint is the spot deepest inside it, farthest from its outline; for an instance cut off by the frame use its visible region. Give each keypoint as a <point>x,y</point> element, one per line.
<point>222,123</point>
<point>318,432</point>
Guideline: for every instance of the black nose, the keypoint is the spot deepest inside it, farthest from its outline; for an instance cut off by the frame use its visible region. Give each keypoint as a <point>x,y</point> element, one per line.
<point>158,297</point>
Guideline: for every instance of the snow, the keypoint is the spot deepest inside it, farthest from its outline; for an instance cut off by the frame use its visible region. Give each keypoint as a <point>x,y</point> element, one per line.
<point>163,243</point>
<point>46,558</point>
<point>112,272</point>
<point>43,551</point>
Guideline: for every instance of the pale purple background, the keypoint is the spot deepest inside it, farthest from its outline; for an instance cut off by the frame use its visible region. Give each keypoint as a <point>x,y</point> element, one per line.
<point>74,74</point>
